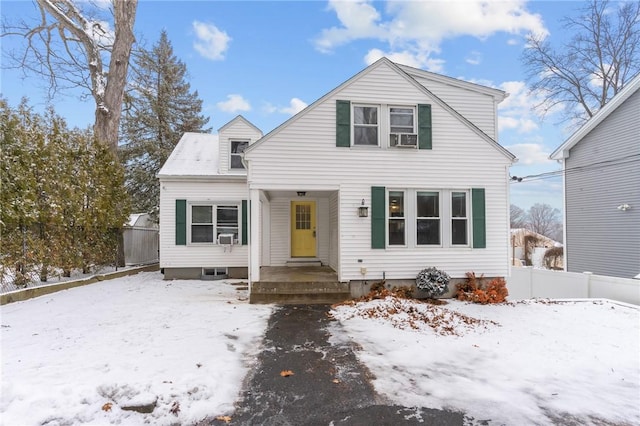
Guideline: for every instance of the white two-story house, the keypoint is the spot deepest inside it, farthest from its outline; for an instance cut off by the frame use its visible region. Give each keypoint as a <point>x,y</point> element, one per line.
<point>395,170</point>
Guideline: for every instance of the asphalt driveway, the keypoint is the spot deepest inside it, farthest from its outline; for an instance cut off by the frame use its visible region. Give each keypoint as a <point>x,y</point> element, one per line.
<point>327,385</point>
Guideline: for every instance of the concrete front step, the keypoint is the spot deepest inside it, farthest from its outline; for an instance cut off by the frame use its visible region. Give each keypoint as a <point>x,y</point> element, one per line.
<point>321,292</point>
<point>303,263</point>
<point>299,298</point>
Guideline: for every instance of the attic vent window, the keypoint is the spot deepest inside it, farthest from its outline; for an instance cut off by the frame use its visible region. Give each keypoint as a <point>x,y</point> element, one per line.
<point>237,148</point>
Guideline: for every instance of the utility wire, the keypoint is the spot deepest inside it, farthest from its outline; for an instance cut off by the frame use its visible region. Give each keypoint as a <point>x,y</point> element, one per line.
<point>593,166</point>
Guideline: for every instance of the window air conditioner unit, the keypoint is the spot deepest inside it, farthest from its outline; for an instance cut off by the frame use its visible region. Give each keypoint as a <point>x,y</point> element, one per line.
<point>225,239</point>
<point>404,140</point>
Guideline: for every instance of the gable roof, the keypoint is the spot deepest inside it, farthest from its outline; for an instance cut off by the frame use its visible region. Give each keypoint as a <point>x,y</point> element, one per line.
<point>563,150</point>
<point>408,78</point>
<point>242,119</point>
<point>196,154</point>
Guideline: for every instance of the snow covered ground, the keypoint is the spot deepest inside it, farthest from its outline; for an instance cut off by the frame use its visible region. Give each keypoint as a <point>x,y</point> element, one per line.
<point>520,363</point>
<point>7,277</point>
<point>78,356</point>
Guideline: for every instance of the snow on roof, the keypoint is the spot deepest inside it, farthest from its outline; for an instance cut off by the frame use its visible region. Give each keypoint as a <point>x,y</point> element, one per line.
<point>133,218</point>
<point>196,154</point>
<point>518,235</point>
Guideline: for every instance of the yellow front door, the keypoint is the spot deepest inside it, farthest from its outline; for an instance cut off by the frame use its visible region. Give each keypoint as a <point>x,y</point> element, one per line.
<point>303,229</point>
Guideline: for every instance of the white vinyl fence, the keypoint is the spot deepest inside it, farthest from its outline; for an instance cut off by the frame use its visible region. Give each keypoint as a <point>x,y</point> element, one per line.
<point>527,283</point>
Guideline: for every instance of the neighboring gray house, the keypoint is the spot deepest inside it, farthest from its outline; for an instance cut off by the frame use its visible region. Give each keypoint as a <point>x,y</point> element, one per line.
<point>601,164</point>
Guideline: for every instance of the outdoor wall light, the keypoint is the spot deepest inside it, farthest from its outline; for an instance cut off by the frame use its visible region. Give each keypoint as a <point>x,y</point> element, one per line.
<point>301,193</point>
<point>363,211</point>
<point>624,207</point>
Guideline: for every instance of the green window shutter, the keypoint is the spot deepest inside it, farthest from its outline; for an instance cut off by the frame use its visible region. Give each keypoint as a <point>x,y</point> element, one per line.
<point>424,126</point>
<point>181,222</point>
<point>479,219</point>
<point>343,124</point>
<point>378,211</point>
<point>245,222</point>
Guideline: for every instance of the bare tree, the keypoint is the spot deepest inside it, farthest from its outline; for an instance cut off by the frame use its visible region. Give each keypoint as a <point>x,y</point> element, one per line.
<point>594,65</point>
<point>518,217</point>
<point>545,220</point>
<point>72,47</point>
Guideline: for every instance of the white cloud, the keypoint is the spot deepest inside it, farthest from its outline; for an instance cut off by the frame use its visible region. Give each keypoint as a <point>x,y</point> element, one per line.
<point>513,42</point>
<point>359,18</point>
<point>421,26</point>
<point>406,57</point>
<point>211,42</point>
<point>101,32</point>
<point>295,106</point>
<point>474,58</point>
<point>516,112</point>
<point>234,103</point>
<point>102,4</point>
<point>530,153</point>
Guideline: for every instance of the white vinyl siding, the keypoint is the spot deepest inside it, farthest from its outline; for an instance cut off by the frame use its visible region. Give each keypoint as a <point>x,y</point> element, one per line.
<point>478,108</point>
<point>235,130</point>
<point>334,229</point>
<point>459,159</point>
<point>197,191</point>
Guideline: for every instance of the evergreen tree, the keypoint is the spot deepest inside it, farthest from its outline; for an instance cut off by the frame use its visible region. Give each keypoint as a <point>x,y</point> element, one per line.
<point>18,195</point>
<point>158,108</point>
<point>62,197</point>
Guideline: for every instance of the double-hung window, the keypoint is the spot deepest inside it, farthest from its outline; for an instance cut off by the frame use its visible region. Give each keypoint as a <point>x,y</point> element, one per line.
<point>365,125</point>
<point>227,221</point>
<point>401,119</point>
<point>397,219</point>
<point>209,221</point>
<point>202,224</point>
<point>237,148</point>
<point>428,227</point>
<point>459,218</point>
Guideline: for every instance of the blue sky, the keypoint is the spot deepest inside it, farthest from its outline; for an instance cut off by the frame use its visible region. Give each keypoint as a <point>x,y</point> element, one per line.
<point>266,60</point>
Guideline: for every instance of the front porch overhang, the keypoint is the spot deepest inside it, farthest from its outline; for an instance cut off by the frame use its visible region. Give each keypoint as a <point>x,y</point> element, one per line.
<point>261,223</point>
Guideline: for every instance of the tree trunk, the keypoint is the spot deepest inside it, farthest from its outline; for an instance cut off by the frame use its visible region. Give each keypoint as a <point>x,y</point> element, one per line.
<point>109,105</point>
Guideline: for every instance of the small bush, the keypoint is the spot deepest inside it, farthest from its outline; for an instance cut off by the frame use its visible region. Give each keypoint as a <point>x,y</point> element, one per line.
<point>475,290</point>
<point>433,281</point>
<point>553,258</point>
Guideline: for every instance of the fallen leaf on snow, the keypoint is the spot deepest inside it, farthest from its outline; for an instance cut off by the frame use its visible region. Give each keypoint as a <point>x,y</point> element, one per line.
<point>336,381</point>
<point>107,406</point>
<point>225,419</point>
<point>286,373</point>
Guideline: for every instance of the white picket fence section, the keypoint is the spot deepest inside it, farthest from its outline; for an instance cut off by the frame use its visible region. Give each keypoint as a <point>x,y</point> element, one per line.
<point>527,283</point>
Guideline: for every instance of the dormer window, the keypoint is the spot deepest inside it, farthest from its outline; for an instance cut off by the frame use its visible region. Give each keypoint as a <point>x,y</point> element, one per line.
<point>237,148</point>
